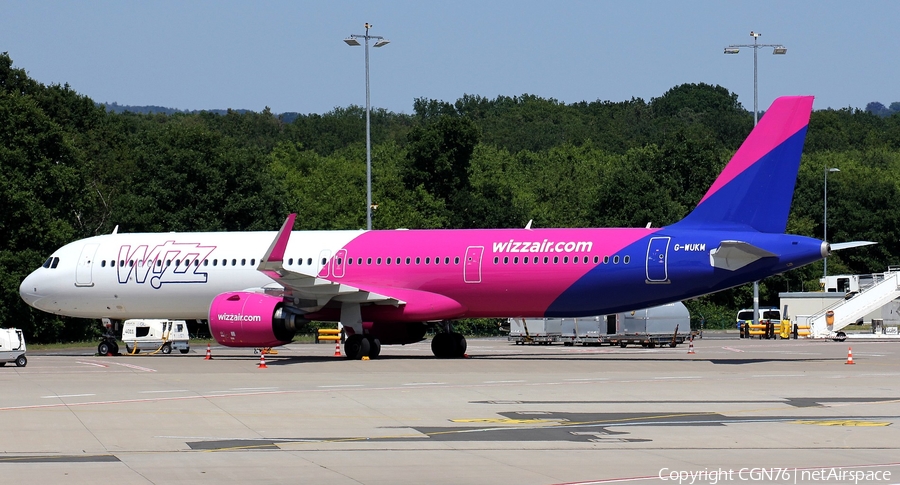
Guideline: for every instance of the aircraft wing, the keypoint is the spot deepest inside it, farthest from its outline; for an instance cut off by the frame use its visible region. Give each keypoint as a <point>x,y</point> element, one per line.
<point>311,291</point>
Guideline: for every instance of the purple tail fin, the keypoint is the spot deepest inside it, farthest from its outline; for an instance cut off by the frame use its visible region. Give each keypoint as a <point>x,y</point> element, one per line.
<point>755,189</point>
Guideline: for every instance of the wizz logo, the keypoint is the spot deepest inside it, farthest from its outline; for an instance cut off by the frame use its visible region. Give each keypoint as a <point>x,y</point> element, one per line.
<point>171,262</point>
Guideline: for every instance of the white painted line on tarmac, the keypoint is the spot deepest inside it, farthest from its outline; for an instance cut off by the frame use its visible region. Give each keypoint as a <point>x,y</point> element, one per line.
<point>66,395</point>
<point>164,391</point>
<point>424,383</point>
<point>587,379</point>
<point>96,364</point>
<point>777,375</point>
<point>135,367</point>
<point>676,377</point>
<point>732,349</point>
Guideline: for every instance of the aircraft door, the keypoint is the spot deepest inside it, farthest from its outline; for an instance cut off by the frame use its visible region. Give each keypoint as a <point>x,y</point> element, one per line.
<point>338,262</point>
<point>84,268</point>
<point>657,253</point>
<point>472,268</point>
<point>324,263</point>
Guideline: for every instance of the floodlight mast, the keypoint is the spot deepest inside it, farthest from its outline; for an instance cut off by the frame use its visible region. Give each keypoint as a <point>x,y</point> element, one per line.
<point>379,42</point>
<point>777,49</point>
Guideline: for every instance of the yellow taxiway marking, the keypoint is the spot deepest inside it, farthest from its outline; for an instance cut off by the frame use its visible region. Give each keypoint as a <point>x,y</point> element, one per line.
<point>843,422</point>
<point>508,421</point>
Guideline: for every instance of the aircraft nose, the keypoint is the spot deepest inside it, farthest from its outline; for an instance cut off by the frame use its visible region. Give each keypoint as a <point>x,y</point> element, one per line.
<point>28,290</point>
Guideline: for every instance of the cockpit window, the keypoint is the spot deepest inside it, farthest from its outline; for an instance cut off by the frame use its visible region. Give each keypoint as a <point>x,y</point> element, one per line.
<point>47,263</point>
<point>55,263</point>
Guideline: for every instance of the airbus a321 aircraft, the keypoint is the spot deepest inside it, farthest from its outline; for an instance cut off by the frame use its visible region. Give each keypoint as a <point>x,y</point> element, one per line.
<point>387,286</point>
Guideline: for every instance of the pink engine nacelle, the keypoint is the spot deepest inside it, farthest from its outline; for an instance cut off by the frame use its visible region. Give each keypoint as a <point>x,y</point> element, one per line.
<point>243,319</point>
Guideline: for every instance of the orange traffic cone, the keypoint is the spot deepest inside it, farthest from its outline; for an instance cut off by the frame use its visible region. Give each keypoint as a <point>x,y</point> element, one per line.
<point>337,348</point>
<point>262,361</point>
<point>849,356</point>
<point>691,346</point>
<point>208,353</point>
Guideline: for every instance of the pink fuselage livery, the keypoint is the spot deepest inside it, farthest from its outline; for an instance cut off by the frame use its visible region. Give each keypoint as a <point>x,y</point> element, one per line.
<point>484,273</point>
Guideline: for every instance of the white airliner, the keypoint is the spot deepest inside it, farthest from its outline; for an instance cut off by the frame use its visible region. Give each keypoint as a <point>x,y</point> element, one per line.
<point>387,287</point>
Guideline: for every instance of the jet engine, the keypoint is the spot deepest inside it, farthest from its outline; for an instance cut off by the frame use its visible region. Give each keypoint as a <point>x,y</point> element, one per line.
<point>244,319</point>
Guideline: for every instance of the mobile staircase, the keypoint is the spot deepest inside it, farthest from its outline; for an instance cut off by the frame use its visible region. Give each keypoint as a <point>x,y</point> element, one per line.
<point>830,322</point>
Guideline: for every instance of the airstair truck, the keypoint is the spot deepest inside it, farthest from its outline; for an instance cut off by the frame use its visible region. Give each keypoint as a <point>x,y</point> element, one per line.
<point>155,336</point>
<point>12,347</point>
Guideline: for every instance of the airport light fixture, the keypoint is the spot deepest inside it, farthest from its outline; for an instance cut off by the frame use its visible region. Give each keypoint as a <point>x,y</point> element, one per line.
<point>352,41</point>
<point>736,48</point>
<point>825,219</point>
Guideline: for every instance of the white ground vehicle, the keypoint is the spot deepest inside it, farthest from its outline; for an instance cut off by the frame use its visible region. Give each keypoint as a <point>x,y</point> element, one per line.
<point>12,347</point>
<point>155,335</point>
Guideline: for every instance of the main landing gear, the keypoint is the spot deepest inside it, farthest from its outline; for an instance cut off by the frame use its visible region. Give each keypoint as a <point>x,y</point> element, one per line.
<point>448,344</point>
<point>108,345</point>
<point>358,346</point>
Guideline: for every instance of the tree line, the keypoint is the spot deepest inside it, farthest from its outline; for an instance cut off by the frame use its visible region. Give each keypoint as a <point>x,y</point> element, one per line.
<point>70,169</point>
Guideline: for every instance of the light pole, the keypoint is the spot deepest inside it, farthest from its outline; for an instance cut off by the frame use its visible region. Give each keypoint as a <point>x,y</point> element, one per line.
<point>825,219</point>
<point>379,42</point>
<point>776,49</point>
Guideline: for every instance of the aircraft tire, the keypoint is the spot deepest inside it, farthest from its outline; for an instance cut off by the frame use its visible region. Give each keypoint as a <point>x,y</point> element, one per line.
<point>459,344</point>
<point>103,348</point>
<point>374,347</point>
<point>356,347</point>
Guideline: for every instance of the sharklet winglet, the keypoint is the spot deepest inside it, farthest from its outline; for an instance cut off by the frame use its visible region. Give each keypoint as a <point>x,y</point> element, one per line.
<point>274,257</point>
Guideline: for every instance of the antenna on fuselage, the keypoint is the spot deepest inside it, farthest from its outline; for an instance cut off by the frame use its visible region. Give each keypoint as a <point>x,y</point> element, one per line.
<point>528,226</point>
<point>116,229</point>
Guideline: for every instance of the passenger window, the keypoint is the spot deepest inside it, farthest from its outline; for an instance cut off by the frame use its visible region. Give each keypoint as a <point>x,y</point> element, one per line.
<point>397,261</point>
<point>596,259</point>
<point>575,260</point>
<point>103,263</point>
<point>437,260</point>
<point>291,262</point>
<point>197,262</point>
<point>616,259</point>
<point>627,259</point>
<point>525,260</point>
<point>234,261</point>
<point>555,259</point>
<point>516,260</point>
<point>358,260</point>
<point>378,261</point>
<point>388,261</point>
<point>605,259</point>
<point>505,259</point>
<point>215,262</point>
<point>205,262</point>
<point>309,261</point>
<point>427,260</point>
<point>418,260</point>
<point>131,263</point>
<point>447,260</point>
<point>496,259</point>
<point>168,262</point>
<point>407,260</point>
<point>546,259</point>
<point>121,263</point>
<point>565,259</point>
<point>455,260</point>
<point>340,261</point>
<point>349,260</point>
<point>368,260</point>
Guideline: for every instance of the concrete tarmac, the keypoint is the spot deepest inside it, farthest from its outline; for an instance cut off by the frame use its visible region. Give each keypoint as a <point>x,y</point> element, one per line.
<point>736,411</point>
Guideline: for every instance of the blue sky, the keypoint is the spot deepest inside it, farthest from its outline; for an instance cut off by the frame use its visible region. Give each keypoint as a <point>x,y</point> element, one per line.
<point>290,55</point>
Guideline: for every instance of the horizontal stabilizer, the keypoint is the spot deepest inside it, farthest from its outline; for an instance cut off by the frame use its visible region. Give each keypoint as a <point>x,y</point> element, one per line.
<point>734,255</point>
<point>851,244</point>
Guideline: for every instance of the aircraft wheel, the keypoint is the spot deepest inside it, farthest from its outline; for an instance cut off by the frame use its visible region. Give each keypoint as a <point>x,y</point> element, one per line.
<point>374,347</point>
<point>356,347</point>
<point>442,345</point>
<point>21,361</point>
<point>459,344</point>
<point>103,348</point>
<point>166,348</point>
